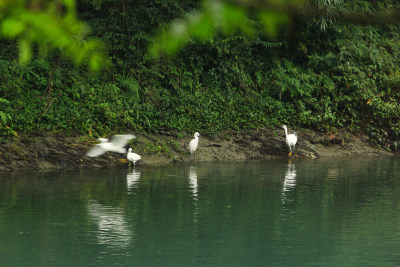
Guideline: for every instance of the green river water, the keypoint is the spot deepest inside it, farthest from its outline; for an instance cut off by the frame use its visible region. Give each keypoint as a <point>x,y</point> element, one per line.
<point>333,212</point>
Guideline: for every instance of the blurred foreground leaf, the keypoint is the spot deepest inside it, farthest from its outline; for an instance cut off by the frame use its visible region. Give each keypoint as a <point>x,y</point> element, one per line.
<point>226,16</point>
<point>51,25</point>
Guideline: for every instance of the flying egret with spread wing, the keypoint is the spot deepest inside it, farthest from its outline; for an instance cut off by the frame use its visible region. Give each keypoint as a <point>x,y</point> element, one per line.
<point>117,144</point>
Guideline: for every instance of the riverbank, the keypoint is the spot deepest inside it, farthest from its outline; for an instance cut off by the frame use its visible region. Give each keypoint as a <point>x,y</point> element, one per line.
<point>58,151</point>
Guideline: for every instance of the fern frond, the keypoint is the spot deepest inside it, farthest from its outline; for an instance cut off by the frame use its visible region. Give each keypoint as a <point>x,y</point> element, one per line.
<point>131,86</point>
<point>4,101</point>
<point>4,118</point>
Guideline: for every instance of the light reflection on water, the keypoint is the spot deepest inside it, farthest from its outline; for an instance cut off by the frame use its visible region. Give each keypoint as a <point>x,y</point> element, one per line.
<point>112,228</point>
<point>272,213</point>
<point>132,179</point>
<point>193,187</point>
<point>193,182</point>
<point>290,180</point>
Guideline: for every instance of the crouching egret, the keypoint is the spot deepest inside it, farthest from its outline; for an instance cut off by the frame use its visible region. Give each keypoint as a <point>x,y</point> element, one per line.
<point>132,157</point>
<point>117,144</point>
<point>291,140</point>
<point>193,145</point>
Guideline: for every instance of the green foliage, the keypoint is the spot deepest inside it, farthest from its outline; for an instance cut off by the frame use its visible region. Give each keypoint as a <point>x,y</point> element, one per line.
<point>4,117</point>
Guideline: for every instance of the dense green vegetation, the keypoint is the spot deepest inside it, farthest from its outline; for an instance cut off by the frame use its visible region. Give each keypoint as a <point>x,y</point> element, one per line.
<point>340,75</point>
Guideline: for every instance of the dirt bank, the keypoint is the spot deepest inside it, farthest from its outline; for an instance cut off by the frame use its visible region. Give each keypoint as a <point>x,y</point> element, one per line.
<point>57,151</point>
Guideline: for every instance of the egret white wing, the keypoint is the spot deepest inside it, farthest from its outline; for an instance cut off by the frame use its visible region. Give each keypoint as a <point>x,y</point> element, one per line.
<point>193,145</point>
<point>121,140</point>
<point>136,157</point>
<point>294,138</point>
<point>95,151</point>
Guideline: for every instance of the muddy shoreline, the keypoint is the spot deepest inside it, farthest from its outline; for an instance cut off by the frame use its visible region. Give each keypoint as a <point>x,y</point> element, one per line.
<point>58,151</point>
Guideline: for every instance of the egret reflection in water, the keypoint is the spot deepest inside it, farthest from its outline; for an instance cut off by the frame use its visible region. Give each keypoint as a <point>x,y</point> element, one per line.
<point>112,227</point>
<point>132,179</point>
<point>193,187</point>
<point>289,183</point>
<point>193,182</point>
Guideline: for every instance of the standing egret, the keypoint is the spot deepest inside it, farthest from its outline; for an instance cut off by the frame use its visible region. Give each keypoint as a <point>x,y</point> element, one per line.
<point>132,157</point>
<point>291,139</point>
<point>193,145</point>
<point>116,144</point>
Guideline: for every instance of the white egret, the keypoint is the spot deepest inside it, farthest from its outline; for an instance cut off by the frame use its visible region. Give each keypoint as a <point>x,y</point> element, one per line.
<point>132,157</point>
<point>291,139</point>
<point>117,144</point>
<point>193,145</point>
